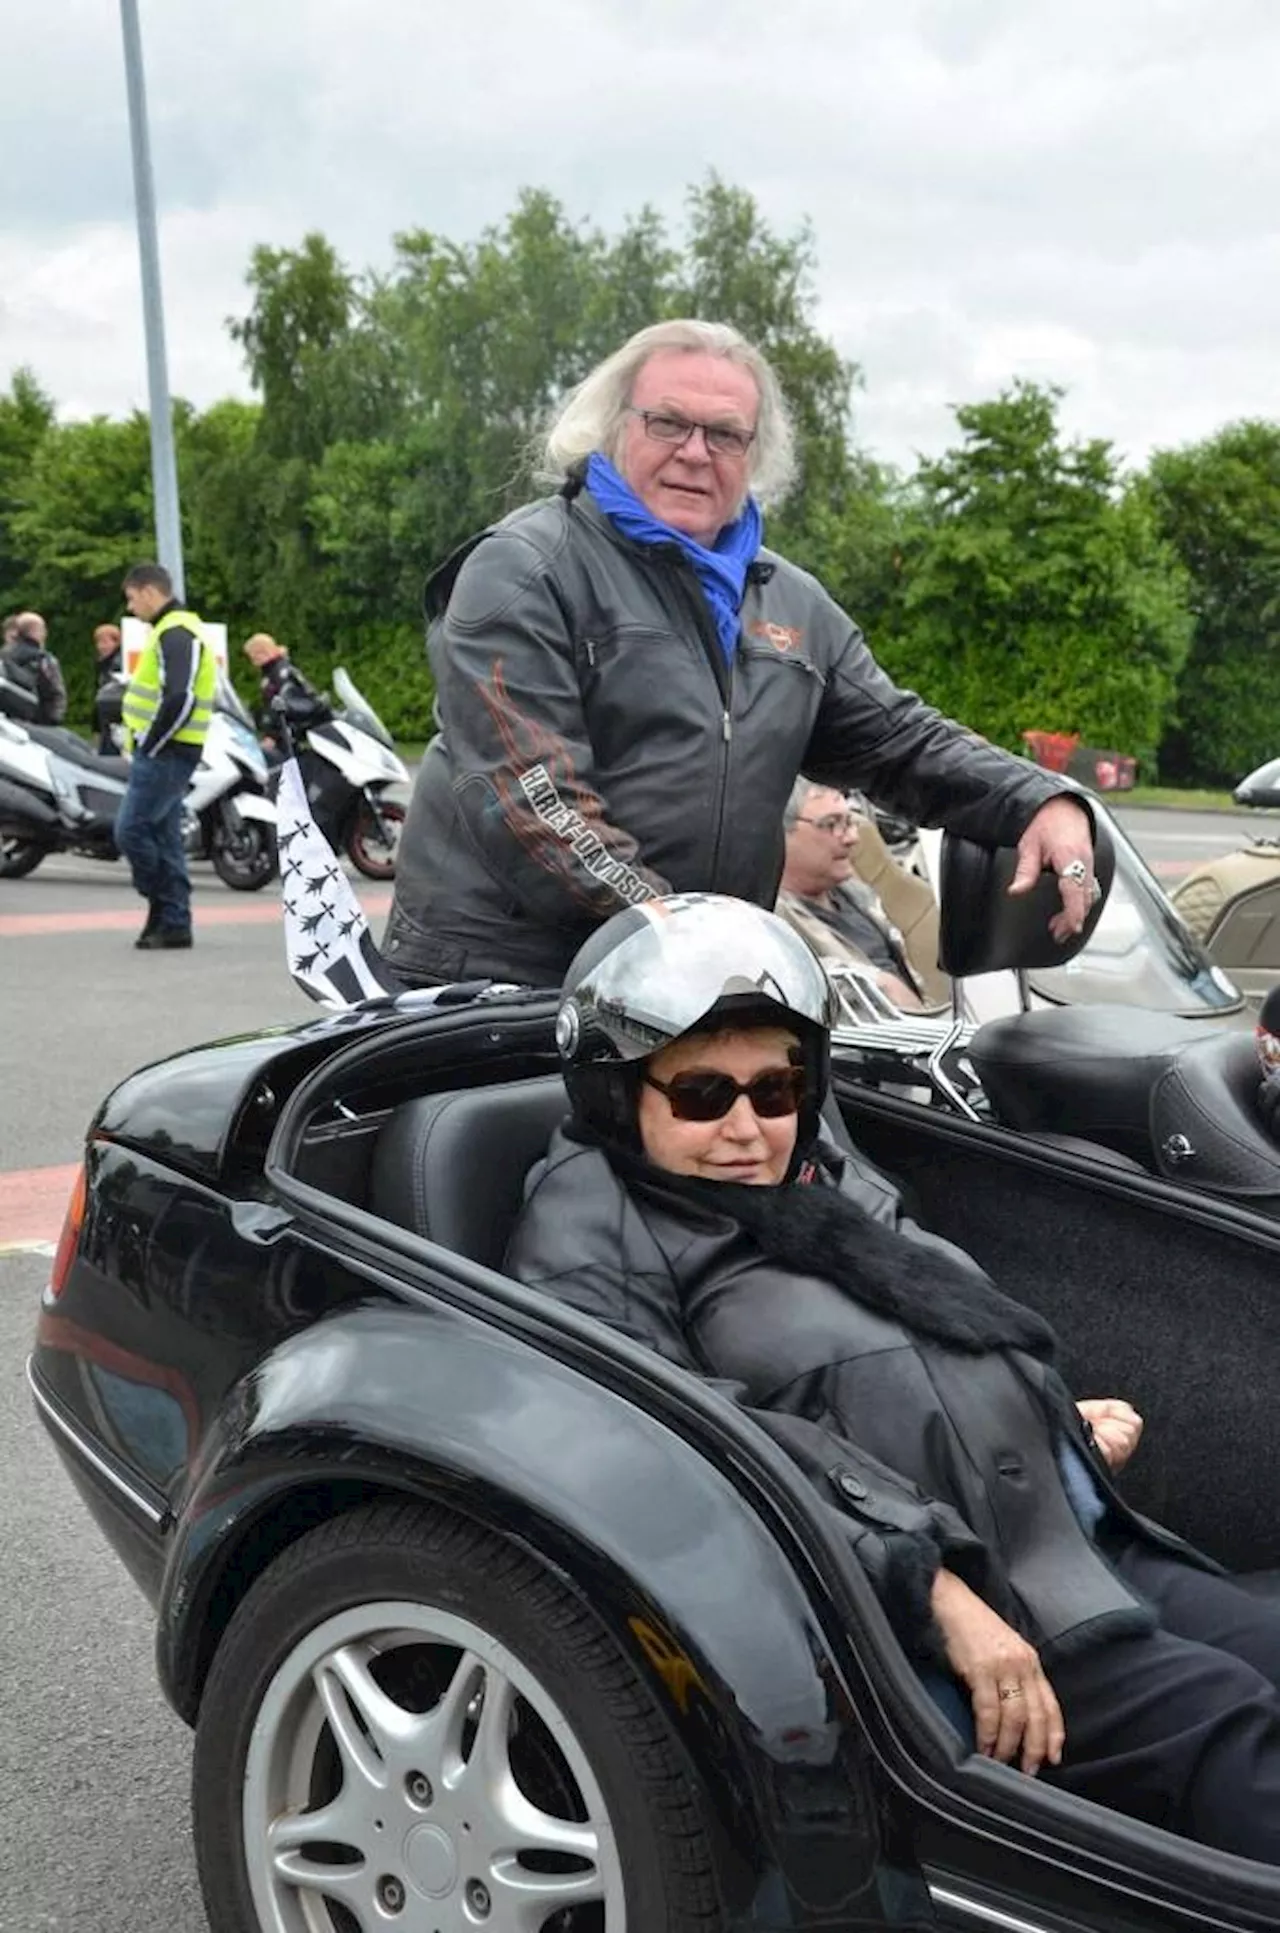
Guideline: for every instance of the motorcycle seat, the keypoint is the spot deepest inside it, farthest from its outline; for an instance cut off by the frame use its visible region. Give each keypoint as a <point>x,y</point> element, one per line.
<point>78,751</point>
<point>1179,1100</point>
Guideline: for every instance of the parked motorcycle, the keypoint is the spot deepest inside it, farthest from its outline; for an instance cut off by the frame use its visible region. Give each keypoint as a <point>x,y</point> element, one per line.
<point>57,794</point>
<point>347,762</point>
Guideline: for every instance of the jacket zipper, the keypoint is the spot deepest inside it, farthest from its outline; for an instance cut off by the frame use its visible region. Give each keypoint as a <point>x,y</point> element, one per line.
<point>723,676</point>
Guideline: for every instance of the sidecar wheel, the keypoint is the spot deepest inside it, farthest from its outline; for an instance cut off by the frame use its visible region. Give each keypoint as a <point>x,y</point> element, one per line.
<point>408,1715</point>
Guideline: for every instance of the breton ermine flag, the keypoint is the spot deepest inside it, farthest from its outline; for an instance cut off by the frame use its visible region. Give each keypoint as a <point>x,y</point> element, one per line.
<point>332,954</point>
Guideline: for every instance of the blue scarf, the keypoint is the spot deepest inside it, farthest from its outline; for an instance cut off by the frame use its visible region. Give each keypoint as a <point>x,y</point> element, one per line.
<point>722,571</point>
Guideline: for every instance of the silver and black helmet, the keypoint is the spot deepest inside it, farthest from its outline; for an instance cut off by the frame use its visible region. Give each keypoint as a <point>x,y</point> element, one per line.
<point>681,965</point>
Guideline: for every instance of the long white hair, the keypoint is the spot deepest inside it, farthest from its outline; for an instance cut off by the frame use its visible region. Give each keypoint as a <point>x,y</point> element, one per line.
<point>592,416</point>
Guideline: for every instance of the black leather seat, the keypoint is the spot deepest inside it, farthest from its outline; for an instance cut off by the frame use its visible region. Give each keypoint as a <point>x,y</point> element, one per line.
<point>1157,1088</point>
<point>59,739</point>
<point>452,1167</point>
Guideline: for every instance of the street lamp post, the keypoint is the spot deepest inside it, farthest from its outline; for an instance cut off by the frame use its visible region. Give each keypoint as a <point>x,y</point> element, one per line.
<point>164,469</point>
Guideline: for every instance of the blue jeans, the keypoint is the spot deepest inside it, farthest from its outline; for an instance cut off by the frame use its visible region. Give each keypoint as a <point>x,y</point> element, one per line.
<point>149,831</point>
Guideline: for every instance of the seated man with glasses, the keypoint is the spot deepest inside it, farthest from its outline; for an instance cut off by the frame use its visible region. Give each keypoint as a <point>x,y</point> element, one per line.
<point>628,684</point>
<point>822,897</point>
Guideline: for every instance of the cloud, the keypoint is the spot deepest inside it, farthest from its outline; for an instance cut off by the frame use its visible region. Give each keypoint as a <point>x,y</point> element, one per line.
<point>1072,191</point>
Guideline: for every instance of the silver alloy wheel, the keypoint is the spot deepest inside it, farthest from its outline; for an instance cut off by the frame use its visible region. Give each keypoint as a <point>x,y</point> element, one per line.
<point>361,1810</point>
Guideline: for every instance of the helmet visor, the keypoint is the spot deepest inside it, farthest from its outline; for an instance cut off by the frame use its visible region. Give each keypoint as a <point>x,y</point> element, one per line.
<point>689,954</point>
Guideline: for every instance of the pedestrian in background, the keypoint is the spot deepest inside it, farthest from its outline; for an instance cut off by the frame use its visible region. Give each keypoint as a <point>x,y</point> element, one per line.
<point>110,694</point>
<point>166,710</point>
<point>29,663</point>
<point>283,691</point>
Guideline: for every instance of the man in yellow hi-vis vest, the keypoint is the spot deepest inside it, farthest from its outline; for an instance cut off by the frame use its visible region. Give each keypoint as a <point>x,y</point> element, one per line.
<point>166,712</point>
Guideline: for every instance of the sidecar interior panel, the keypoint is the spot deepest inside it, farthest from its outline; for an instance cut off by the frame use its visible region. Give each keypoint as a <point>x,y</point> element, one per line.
<point>1168,1305</point>
<point>1151,1086</point>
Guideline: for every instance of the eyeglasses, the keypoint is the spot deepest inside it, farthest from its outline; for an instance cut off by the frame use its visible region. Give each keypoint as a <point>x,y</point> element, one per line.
<point>710,1096</point>
<point>722,439</point>
<point>833,822</point>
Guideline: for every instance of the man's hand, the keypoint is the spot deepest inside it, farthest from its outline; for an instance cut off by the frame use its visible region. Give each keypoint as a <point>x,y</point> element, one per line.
<point>1059,836</point>
<point>899,992</point>
<point>1014,1707</point>
<point>1116,1428</point>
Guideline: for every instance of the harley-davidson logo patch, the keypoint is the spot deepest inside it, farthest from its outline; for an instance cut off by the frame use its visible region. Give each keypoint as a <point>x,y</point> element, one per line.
<point>780,636</point>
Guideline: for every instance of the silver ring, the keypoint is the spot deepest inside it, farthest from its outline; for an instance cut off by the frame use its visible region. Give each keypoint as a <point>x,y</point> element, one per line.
<point>1095,891</point>
<point>1010,1691</point>
<point>1076,871</point>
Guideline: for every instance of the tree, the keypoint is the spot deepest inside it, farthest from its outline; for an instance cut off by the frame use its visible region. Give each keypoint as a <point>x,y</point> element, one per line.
<point>86,517</point>
<point>1218,504</point>
<point>26,415</point>
<point>1036,591</point>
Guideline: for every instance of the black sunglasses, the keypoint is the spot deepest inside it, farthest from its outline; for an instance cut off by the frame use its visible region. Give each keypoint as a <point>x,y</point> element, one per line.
<point>710,1096</point>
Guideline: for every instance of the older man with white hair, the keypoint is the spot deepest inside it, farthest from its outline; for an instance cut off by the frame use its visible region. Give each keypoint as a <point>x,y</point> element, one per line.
<point>629,683</point>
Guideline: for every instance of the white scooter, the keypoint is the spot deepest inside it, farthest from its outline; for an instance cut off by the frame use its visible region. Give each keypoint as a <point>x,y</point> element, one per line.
<point>57,794</point>
<point>348,761</point>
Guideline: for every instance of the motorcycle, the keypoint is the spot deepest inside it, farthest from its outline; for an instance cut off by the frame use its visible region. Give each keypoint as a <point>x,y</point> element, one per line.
<point>347,763</point>
<point>57,794</point>
<point>1143,952</point>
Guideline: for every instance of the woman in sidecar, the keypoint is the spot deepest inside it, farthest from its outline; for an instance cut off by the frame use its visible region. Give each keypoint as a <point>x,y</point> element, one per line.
<point>695,1201</point>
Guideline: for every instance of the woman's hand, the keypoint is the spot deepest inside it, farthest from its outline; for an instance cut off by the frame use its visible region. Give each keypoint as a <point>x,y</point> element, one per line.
<point>1116,1428</point>
<point>1014,1708</point>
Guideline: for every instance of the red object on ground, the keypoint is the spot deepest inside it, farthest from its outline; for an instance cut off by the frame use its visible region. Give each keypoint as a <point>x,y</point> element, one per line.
<point>1051,749</point>
<point>1063,752</point>
<point>1104,771</point>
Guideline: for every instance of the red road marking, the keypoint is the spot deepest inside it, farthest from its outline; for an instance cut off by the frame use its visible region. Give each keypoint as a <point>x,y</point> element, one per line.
<point>120,920</point>
<point>33,1202</point>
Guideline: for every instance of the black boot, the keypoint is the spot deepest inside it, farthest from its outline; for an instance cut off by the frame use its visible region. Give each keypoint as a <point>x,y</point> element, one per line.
<point>162,939</point>
<point>153,920</point>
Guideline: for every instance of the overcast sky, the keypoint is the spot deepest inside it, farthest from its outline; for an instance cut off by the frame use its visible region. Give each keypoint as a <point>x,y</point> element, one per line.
<point>1084,191</point>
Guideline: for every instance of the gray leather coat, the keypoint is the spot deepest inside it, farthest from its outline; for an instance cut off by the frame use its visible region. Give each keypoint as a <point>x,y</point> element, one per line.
<point>595,747</point>
<point>928,1453</point>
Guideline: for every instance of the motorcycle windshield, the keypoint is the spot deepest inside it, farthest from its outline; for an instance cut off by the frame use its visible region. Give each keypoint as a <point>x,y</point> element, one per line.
<point>226,698</point>
<point>1141,954</point>
<point>1261,787</point>
<point>357,710</point>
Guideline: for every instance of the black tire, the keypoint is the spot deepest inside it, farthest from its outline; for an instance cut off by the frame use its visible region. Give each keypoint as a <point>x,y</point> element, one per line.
<point>18,857</point>
<point>367,847</point>
<point>244,857</point>
<point>260,1700</point>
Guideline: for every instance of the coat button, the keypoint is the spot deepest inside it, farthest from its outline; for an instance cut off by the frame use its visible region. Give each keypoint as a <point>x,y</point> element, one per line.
<point>852,1487</point>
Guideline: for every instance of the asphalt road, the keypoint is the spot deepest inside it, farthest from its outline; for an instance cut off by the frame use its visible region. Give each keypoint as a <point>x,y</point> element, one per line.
<point>93,1767</point>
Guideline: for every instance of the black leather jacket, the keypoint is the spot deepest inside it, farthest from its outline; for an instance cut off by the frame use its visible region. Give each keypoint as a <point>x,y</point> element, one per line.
<point>595,747</point>
<point>929,1454</point>
<point>285,691</point>
<point>39,672</point>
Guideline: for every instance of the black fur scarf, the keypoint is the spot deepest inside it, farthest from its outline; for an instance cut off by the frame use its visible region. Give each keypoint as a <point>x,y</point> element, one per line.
<point>816,1229</point>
